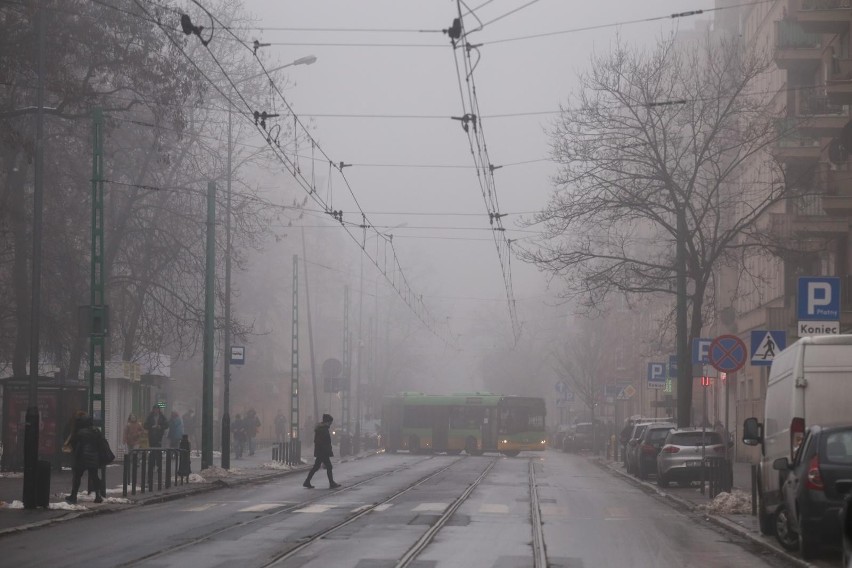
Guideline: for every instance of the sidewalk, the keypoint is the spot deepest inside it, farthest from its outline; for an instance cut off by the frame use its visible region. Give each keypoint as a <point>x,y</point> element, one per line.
<point>731,512</point>
<point>249,469</point>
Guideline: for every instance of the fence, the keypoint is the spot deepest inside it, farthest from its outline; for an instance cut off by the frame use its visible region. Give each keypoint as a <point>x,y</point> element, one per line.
<point>140,465</point>
<point>289,452</point>
<point>719,475</point>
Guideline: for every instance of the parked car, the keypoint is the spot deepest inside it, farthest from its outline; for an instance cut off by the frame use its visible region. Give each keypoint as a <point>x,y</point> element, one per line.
<point>627,432</point>
<point>808,382</point>
<point>810,514</point>
<point>680,458</point>
<point>844,487</point>
<point>631,450</point>
<point>562,431</point>
<point>649,447</point>
<point>582,437</point>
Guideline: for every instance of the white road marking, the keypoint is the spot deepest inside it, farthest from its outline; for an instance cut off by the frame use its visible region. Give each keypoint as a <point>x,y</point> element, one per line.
<point>383,507</point>
<point>315,508</point>
<point>361,508</point>
<point>550,509</point>
<point>261,507</point>
<point>494,508</point>
<point>204,507</point>
<point>439,507</point>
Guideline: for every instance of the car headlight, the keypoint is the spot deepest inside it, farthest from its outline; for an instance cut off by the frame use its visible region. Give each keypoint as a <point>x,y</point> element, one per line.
<point>543,441</point>
<point>505,441</point>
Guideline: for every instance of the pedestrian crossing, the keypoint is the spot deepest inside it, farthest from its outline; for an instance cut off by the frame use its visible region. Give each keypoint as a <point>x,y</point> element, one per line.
<point>320,508</point>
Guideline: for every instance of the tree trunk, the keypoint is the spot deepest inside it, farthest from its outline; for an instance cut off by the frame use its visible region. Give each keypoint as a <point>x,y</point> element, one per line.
<point>20,276</point>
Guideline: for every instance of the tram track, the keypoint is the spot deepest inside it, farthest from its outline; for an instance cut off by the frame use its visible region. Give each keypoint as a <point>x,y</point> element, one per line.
<point>286,509</point>
<point>419,546</point>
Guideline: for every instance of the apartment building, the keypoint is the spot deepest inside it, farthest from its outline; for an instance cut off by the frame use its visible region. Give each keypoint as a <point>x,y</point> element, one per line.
<point>811,85</point>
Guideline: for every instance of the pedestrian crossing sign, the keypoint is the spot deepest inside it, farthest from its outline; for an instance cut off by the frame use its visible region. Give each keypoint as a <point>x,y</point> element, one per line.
<point>766,345</point>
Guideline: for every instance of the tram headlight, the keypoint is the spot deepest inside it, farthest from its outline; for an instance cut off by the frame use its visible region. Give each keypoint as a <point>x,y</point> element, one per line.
<point>544,441</point>
<point>505,441</point>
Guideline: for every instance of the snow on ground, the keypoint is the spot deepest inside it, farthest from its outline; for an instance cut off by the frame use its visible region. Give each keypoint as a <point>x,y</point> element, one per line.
<point>12,474</point>
<point>195,478</point>
<point>734,503</point>
<point>214,472</point>
<point>59,505</point>
<point>276,465</point>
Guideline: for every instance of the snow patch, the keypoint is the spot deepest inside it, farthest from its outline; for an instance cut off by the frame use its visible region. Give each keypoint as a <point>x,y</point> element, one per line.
<point>214,472</point>
<point>12,474</point>
<point>275,465</point>
<point>195,478</point>
<point>68,506</point>
<point>735,503</point>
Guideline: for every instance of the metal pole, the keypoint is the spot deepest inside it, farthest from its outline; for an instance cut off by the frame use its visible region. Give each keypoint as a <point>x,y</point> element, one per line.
<point>32,417</point>
<point>209,322</point>
<point>226,378</point>
<point>684,363</point>
<point>97,298</point>
<point>294,355</point>
<point>356,446</point>
<point>347,371</point>
<point>310,329</point>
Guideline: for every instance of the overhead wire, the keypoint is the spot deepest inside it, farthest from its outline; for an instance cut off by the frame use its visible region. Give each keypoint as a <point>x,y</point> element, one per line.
<point>403,288</point>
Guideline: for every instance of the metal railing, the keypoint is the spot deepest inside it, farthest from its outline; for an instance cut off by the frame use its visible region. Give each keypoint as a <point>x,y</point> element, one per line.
<point>719,475</point>
<point>140,467</point>
<point>789,34</point>
<point>289,452</point>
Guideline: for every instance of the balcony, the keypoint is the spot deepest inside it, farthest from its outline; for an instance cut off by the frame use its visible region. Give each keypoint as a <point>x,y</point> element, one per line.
<point>796,49</point>
<point>837,184</point>
<point>825,16</point>
<point>816,116</point>
<point>797,148</point>
<point>838,87</point>
<point>794,227</point>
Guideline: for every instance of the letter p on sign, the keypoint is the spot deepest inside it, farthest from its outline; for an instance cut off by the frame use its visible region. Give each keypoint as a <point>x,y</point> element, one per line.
<point>819,295</point>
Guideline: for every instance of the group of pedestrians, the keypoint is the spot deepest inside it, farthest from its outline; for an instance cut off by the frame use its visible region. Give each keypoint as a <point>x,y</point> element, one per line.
<point>157,426</point>
<point>245,429</point>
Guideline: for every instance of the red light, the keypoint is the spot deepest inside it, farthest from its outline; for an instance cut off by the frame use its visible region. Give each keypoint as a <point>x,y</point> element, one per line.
<point>671,449</point>
<point>705,381</point>
<point>814,478</point>
<point>648,449</point>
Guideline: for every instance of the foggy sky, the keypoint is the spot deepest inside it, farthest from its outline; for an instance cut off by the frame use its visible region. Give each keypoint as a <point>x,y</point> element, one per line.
<point>456,270</point>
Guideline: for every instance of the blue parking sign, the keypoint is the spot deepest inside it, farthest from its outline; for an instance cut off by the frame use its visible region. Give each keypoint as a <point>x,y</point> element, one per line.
<point>819,298</point>
<point>656,375</point>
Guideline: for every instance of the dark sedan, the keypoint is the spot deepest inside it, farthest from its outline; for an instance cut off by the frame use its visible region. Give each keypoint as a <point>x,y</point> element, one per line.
<point>810,515</point>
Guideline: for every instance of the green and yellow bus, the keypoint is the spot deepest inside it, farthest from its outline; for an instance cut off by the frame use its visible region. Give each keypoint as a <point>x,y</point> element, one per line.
<point>470,422</point>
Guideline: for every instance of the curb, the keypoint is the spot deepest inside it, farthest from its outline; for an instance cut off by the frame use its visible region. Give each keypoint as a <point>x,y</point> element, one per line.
<point>718,520</point>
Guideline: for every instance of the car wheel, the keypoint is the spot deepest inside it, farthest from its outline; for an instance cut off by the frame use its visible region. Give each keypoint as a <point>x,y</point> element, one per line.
<point>808,545</point>
<point>662,480</point>
<point>786,536</point>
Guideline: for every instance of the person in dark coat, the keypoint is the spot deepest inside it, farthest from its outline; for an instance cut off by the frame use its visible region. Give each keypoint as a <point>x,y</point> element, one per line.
<point>156,425</point>
<point>86,451</point>
<point>322,452</point>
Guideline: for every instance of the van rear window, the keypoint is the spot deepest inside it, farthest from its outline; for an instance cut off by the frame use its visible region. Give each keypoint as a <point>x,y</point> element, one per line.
<point>694,438</point>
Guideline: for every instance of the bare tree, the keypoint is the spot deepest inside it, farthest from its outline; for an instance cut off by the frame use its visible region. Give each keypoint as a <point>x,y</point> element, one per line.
<point>683,129</point>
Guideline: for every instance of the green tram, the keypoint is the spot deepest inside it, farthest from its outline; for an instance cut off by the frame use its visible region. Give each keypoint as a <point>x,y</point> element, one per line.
<point>475,423</point>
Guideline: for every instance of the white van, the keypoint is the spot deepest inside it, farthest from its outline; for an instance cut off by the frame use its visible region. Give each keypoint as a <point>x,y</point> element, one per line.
<point>810,383</point>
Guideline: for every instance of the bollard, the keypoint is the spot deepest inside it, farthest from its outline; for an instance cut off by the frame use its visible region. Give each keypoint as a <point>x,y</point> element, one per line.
<point>753,490</point>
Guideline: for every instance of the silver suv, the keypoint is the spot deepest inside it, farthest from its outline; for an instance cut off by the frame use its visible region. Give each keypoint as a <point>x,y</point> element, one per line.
<point>681,455</point>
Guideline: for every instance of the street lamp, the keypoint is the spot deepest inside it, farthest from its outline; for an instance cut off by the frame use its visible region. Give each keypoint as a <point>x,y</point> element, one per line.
<point>226,395</point>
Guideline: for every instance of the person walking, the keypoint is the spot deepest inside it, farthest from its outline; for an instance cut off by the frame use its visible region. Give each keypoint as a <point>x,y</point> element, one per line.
<point>133,433</point>
<point>175,430</point>
<point>156,425</point>
<point>239,433</point>
<point>280,427</point>
<point>251,424</point>
<point>322,452</point>
<point>86,443</point>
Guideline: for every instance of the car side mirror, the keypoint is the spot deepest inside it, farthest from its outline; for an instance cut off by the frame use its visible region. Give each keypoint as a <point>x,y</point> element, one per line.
<point>844,486</point>
<point>781,464</point>
<point>752,435</point>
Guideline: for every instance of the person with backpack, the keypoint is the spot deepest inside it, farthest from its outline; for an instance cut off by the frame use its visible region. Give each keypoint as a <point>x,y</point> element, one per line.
<point>86,443</point>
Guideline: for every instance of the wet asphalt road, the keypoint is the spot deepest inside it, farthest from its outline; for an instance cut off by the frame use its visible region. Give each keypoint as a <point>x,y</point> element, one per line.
<point>590,519</point>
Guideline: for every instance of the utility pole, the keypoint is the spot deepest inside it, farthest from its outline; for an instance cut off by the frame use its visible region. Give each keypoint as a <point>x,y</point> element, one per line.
<point>356,446</point>
<point>226,374</point>
<point>684,364</point>
<point>97,298</point>
<point>347,368</point>
<point>32,417</point>
<point>209,322</point>
<point>294,358</point>
<point>310,329</point>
